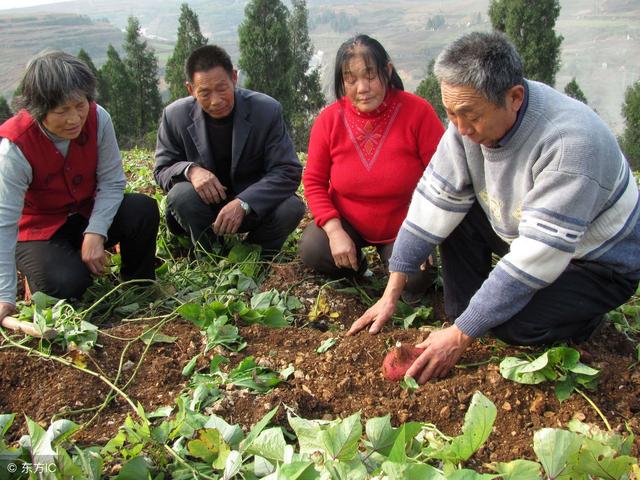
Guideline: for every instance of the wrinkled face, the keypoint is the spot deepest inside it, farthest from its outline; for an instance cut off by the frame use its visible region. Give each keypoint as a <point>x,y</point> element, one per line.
<point>67,119</point>
<point>478,119</point>
<point>213,90</point>
<point>363,85</point>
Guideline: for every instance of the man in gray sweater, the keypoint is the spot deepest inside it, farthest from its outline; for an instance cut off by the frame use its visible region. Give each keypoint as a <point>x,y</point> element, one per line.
<point>534,177</point>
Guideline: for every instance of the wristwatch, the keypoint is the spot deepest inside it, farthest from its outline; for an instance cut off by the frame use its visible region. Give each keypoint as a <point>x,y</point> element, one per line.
<point>245,206</point>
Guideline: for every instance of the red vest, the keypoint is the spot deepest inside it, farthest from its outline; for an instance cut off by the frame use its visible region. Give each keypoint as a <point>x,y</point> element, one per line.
<point>60,186</point>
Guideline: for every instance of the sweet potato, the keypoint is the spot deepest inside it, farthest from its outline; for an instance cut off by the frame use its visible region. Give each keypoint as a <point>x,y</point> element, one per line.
<point>398,361</point>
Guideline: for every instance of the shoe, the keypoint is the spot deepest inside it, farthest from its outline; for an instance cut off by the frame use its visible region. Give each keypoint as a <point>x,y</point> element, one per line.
<point>594,328</point>
<point>411,298</point>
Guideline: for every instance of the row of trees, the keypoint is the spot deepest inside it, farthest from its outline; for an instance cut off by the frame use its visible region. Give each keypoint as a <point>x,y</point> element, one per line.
<point>275,53</point>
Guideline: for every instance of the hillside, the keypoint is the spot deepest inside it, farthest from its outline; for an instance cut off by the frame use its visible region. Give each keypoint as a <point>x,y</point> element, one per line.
<point>601,37</point>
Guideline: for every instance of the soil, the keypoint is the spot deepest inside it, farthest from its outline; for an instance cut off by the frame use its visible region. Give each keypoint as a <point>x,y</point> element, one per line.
<point>344,379</point>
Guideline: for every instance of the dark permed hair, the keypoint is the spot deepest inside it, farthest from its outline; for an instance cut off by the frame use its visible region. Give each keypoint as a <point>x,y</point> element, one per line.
<point>373,53</point>
<point>52,78</point>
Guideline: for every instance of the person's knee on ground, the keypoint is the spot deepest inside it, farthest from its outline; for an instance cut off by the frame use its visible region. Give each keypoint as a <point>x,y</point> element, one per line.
<point>315,253</point>
<point>69,280</point>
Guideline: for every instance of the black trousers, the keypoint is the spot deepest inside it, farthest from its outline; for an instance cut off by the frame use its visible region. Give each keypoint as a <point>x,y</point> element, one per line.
<point>568,309</point>
<point>55,267</point>
<point>187,214</point>
<point>315,253</point>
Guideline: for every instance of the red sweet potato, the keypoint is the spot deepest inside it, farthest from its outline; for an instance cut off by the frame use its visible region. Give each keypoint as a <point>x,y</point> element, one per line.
<point>398,361</point>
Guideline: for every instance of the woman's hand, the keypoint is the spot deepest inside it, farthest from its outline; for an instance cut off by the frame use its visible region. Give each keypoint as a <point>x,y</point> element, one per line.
<point>383,309</point>
<point>93,254</point>
<point>343,250</point>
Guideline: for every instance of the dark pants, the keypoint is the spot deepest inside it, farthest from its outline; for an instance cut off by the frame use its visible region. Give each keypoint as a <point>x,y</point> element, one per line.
<point>188,214</point>
<point>55,266</point>
<point>568,309</point>
<point>316,254</point>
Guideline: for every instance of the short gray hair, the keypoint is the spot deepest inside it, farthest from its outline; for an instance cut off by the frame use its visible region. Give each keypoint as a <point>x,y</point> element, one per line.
<point>52,78</point>
<point>487,62</point>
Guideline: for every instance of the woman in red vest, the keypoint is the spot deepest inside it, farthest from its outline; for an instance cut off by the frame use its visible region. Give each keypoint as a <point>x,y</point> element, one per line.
<point>62,198</point>
<point>367,152</point>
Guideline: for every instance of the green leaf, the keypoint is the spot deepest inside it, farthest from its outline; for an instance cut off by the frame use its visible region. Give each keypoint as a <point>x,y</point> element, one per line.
<point>341,440</point>
<point>6,420</point>
<point>381,434</point>
<point>257,429</point>
<point>511,369</point>
<point>343,470</point>
<point>272,317</point>
<point>564,388</point>
<point>407,471</point>
<point>154,336</point>
<point>518,470</point>
<point>466,474</point>
<point>42,300</point>
<point>41,448</point>
<point>478,422</point>
<point>326,345</point>
<point>598,460</point>
<point>555,448</point>
<point>270,444</point>
<point>210,447</point>
<point>232,434</point>
<point>60,430</point>
<point>191,312</point>
<point>409,383</point>
<point>307,433</point>
<point>161,412</point>
<point>233,465</point>
<point>285,373</point>
<point>189,368</point>
<point>135,469</point>
<point>297,471</point>
<point>582,369</point>
<point>264,300</point>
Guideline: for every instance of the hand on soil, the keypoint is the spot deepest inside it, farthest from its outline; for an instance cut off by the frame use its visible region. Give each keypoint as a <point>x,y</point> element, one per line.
<point>442,350</point>
<point>93,254</point>
<point>377,315</point>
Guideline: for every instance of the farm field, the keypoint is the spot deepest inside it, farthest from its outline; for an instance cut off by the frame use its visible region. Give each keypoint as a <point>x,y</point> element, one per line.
<point>232,367</point>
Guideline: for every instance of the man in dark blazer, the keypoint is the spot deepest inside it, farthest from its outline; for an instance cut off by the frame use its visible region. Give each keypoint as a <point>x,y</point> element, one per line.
<point>225,159</point>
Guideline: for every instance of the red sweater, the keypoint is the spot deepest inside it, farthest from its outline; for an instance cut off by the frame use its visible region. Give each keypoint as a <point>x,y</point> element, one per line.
<point>60,185</point>
<point>364,167</point>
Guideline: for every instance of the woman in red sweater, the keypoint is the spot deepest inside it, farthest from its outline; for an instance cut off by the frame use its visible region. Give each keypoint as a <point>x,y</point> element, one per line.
<point>367,152</point>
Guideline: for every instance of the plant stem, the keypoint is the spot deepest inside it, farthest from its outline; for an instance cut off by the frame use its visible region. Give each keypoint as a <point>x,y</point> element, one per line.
<point>73,365</point>
<point>595,407</point>
<point>182,462</point>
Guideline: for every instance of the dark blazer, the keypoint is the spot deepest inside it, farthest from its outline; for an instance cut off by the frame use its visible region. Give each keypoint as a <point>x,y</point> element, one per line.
<point>265,170</point>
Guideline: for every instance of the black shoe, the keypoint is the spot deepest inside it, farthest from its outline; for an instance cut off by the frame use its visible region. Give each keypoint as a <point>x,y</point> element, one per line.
<point>593,329</point>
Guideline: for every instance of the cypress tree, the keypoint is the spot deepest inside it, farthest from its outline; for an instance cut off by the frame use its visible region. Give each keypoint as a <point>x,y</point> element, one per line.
<point>5,111</point>
<point>307,92</point>
<point>100,87</point>
<point>530,26</point>
<point>429,89</point>
<point>142,66</point>
<point>265,51</point>
<point>117,97</point>
<point>573,90</point>
<point>630,140</point>
<point>189,38</point>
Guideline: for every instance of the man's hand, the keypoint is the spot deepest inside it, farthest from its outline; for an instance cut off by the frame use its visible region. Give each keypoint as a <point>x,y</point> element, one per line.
<point>93,254</point>
<point>206,185</point>
<point>343,250</point>
<point>443,349</point>
<point>383,309</point>
<point>6,309</point>
<point>229,218</point>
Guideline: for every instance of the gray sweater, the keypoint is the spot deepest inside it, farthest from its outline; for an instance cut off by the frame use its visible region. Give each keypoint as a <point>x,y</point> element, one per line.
<point>16,176</point>
<point>560,189</point>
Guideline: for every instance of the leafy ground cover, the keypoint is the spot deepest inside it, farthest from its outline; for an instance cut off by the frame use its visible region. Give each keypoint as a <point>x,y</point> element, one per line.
<point>233,368</point>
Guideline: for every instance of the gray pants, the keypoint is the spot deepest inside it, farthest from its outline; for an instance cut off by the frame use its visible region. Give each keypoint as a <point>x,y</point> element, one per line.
<point>316,254</point>
<point>188,214</point>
